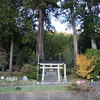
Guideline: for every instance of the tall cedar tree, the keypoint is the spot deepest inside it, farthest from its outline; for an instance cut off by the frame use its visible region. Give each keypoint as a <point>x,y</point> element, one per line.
<point>90,20</point>
<point>70,5</point>
<point>41,6</point>
<point>9,10</point>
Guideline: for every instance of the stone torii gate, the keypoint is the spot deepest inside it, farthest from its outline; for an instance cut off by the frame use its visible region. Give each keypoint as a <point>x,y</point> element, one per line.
<point>44,66</point>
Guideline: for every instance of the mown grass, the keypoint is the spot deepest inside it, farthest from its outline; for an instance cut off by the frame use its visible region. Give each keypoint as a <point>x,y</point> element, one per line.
<point>25,86</point>
<point>33,88</point>
<point>19,76</point>
<point>72,78</point>
<point>31,85</point>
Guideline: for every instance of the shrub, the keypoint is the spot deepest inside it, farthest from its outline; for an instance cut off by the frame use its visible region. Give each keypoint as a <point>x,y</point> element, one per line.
<point>16,68</point>
<point>68,71</point>
<point>31,75</point>
<point>96,53</point>
<point>80,87</point>
<point>85,66</point>
<point>3,61</point>
<point>29,71</point>
<point>68,56</point>
<point>26,69</point>
<point>83,92</point>
<point>32,59</point>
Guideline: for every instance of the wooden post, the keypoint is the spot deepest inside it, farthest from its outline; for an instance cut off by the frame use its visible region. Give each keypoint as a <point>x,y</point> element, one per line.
<point>38,66</point>
<point>43,73</point>
<point>58,74</point>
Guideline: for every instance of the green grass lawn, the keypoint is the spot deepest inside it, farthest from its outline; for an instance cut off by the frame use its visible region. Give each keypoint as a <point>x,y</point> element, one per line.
<point>6,86</point>
<point>72,78</point>
<point>32,88</point>
<point>18,82</point>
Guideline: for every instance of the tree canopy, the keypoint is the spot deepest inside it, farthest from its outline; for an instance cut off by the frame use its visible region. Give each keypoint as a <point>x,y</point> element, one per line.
<point>25,27</point>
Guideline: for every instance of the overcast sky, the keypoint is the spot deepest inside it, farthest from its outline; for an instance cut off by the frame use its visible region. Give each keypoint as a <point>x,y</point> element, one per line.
<point>60,27</point>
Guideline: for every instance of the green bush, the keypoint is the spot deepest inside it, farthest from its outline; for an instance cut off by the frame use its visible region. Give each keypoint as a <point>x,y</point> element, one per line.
<point>29,71</point>
<point>62,72</point>
<point>16,68</point>
<point>68,56</point>
<point>96,53</point>
<point>31,75</point>
<point>68,71</point>
<point>3,60</point>
<point>32,59</point>
<point>39,77</point>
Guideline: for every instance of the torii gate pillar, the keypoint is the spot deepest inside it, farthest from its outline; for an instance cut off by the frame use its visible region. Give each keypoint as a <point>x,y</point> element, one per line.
<point>65,77</point>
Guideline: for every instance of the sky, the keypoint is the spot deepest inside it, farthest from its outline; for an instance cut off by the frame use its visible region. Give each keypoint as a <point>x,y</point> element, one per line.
<point>60,27</point>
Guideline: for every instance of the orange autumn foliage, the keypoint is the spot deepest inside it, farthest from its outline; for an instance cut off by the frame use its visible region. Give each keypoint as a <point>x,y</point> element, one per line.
<point>85,66</point>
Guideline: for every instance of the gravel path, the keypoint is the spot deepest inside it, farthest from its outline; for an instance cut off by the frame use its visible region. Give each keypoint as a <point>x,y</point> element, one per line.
<point>95,84</point>
<point>51,77</point>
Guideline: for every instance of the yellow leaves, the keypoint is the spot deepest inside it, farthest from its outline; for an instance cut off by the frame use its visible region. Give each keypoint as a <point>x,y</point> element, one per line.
<point>85,66</point>
<point>89,77</point>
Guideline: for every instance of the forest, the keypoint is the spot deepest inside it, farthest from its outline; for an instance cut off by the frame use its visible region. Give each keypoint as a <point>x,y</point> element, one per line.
<point>26,32</point>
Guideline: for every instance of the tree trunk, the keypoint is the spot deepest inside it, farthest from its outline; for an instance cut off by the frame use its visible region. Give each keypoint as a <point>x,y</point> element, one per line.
<point>93,43</point>
<point>11,57</point>
<point>40,35</point>
<point>74,35</point>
